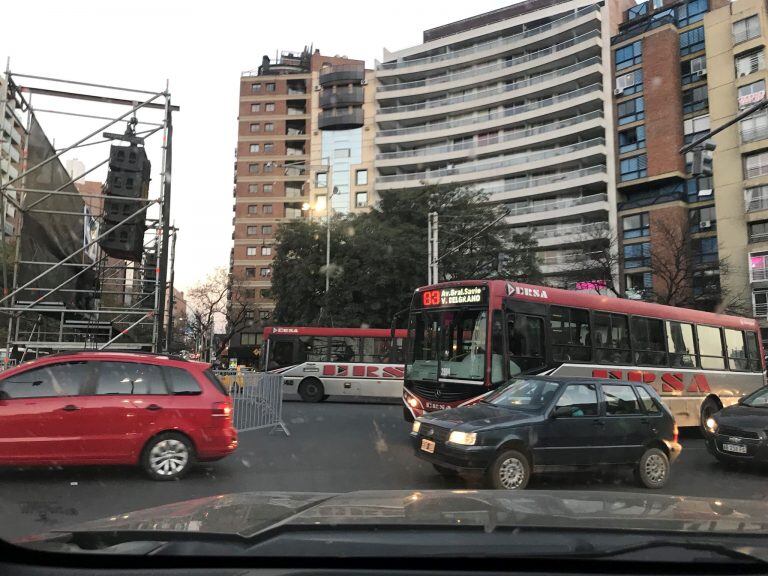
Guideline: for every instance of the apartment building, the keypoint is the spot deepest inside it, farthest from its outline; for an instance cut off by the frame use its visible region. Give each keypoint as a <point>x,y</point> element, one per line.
<point>516,102</point>
<point>13,136</point>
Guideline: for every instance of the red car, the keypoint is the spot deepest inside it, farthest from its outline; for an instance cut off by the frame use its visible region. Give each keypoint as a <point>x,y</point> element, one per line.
<point>79,408</point>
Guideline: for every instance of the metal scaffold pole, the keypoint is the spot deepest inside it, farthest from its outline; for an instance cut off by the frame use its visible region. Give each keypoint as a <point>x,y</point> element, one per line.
<point>165,215</point>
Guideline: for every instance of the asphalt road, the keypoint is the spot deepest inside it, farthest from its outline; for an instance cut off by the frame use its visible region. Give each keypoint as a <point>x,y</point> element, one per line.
<point>333,447</point>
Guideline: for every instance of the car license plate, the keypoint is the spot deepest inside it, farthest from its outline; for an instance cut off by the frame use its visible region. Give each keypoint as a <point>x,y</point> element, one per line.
<point>735,448</point>
<point>427,445</point>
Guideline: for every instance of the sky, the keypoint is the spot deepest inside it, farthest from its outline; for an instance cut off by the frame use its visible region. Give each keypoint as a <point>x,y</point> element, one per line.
<point>200,49</point>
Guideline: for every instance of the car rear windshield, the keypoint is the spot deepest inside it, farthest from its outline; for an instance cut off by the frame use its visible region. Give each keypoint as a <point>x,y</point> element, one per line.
<point>215,381</point>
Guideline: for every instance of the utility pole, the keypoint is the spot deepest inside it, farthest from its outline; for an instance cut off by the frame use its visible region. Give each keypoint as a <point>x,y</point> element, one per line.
<point>329,213</point>
<point>433,276</point>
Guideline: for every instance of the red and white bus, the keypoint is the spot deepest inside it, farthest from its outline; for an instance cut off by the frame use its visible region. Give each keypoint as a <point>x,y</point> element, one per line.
<point>466,338</point>
<point>321,362</point>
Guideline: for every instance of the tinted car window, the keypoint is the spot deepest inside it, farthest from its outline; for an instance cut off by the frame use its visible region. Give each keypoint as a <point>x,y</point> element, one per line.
<point>129,378</point>
<point>525,394</point>
<point>647,401</point>
<point>213,379</point>
<point>57,380</point>
<point>180,381</point>
<point>620,400</point>
<point>581,399</point>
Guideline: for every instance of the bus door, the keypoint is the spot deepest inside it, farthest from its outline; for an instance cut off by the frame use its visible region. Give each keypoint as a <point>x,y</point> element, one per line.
<point>526,337</point>
<point>281,352</point>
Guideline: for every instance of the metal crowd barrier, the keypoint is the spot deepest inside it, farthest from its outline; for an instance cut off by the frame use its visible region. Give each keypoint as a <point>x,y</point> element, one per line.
<point>257,399</point>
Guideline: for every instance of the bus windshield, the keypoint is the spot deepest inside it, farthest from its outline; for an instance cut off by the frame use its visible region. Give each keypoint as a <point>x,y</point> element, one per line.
<point>447,345</point>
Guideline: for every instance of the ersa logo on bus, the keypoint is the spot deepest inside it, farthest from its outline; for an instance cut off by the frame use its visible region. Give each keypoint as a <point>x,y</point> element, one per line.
<point>513,290</point>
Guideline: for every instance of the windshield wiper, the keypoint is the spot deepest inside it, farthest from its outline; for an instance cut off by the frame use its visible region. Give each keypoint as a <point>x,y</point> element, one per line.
<point>733,553</point>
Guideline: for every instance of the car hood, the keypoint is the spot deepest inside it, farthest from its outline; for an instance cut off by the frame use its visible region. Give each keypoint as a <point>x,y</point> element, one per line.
<point>250,513</point>
<point>478,416</point>
<point>744,417</point>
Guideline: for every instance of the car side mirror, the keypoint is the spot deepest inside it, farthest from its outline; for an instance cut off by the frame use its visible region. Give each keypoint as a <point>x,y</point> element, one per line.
<point>562,412</point>
<point>740,401</point>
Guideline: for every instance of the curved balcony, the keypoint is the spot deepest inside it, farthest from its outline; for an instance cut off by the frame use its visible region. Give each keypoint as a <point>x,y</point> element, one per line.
<point>342,74</point>
<point>334,120</point>
<point>417,154</point>
<point>568,234</point>
<point>491,44</point>
<point>524,208</point>
<point>354,97</point>
<point>541,78</point>
<point>539,54</point>
<point>551,183</point>
<point>422,128</point>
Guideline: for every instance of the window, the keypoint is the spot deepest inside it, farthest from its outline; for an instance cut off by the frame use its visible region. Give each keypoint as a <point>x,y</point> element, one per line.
<point>269,147</point>
<point>526,343</point>
<point>254,149</point>
<point>247,339</point>
<point>250,293</point>
<point>264,314</point>
<point>634,168</point>
<point>611,338</point>
<point>269,127</point>
<point>707,283</point>
<point>253,188</point>
<point>755,127</point>
<point>265,293</point>
<point>253,168</point>
<point>256,87</point>
<point>251,230</point>
<point>751,94</point>
<point>321,179</point>
<point>570,334</point>
<point>255,126</point>
<point>361,177</point>
<point>692,41</point>
<point>629,55</point>
<point>271,87</point>
<point>267,188</point>
<point>313,349</point>
<point>250,251</point>
<point>631,111</point>
<point>637,11</point>
<point>703,219</point>
<point>637,255</point>
<point>129,378</point>
<point>649,404</point>
<point>321,202</point>
<point>180,381</point>
<point>264,272</point>
<point>682,353</point>
<point>269,107</point>
<point>577,400</point>
<point>754,353</point>
<point>736,349</point>
<point>630,83</point>
<point>341,153</point>
<point>344,349</point>
<point>695,99</point>
<point>647,337</point>
<point>746,29</point>
<point>255,107</point>
<point>750,62</point>
<point>620,400</point>
<point>361,199</point>
<point>756,198</point>
<point>267,229</point>
<point>250,272</point>
<point>375,350</point>
<point>250,315</point>
<point>695,127</point>
<point>267,209</point>
<point>710,348</point>
<point>692,70</point>
<point>691,12</point>
<point>758,231</point>
<point>268,167</point>
<point>49,381</point>
<point>632,139</point>
<point>266,250</point>
<point>639,285</point>
<point>756,165</point>
<point>636,226</point>
<point>253,209</point>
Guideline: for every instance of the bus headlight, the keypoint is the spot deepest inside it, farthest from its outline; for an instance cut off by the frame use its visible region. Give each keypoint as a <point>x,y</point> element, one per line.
<point>463,438</point>
<point>412,402</point>
<point>711,424</point>
<point>416,427</point>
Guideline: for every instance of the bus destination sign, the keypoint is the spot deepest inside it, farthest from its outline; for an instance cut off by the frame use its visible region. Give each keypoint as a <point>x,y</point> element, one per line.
<point>453,296</point>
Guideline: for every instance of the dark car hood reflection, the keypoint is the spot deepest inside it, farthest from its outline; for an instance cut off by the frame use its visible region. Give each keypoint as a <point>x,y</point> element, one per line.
<point>479,415</point>
<point>249,513</point>
<point>744,417</point>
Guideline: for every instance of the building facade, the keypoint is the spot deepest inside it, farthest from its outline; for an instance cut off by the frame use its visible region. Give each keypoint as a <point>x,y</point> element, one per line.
<point>518,103</point>
<point>13,136</point>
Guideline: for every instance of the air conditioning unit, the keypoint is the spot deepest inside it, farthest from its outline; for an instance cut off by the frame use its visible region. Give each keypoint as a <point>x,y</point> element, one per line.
<point>618,91</point>
<point>703,72</point>
<point>705,224</point>
<point>743,73</point>
<point>363,82</point>
<point>318,88</point>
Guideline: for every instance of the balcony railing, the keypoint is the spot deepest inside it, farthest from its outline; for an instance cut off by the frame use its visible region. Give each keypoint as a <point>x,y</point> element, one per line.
<point>575,258</point>
<point>330,99</point>
<point>523,208</point>
<point>526,183</point>
<point>493,164</point>
<point>496,42</point>
<point>342,73</point>
<point>758,237</point>
<point>493,115</point>
<point>758,274</point>
<point>589,228</point>
<point>480,70</point>
<point>506,137</point>
<point>492,91</point>
<point>332,119</point>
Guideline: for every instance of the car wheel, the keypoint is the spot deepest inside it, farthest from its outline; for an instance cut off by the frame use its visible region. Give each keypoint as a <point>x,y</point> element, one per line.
<point>653,469</point>
<point>708,408</point>
<point>445,472</point>
<point>168,456</point>
<point>510,471</point>
<point>311,390</point>
<point>407,416</point>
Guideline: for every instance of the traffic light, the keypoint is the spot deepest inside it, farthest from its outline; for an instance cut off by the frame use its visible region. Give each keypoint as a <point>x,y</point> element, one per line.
<point>702,159</point>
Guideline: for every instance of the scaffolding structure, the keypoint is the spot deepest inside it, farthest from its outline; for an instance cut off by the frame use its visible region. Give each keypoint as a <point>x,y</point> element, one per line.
<point>62,291</point>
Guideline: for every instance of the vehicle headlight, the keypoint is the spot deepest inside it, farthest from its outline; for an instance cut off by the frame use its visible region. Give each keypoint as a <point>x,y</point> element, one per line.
<point>711,424</point>
<point>464,438</point>
<point>416,427</point>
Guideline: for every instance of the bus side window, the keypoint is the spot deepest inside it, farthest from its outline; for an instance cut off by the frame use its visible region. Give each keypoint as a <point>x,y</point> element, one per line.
<point>610,338</point>
<point>344,349</point>
<point>710,348</point>
<point>281,354</point>
<point>497,348</point>
<point>375,349</point>
<point>736,349</point>
<point>570,334</point>
<point>682,351</point>
<point>648,341</point>
<point>526,343</point>
<point>313,349</point>
<point>753,352</point>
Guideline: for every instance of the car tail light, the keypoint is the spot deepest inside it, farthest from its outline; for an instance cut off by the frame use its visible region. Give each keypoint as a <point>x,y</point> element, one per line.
<point>675,432</point>
<point>222,410</point>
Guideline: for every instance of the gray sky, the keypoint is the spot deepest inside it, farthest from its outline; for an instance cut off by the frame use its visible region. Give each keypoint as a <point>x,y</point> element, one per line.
<point>201,51</point>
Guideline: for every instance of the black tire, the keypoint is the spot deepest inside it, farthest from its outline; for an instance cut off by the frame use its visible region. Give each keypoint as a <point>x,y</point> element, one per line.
<point>708,407</point>
<point>407,416</point>
<point>445,472</point>
<point>653,469</point>
<point>168,456</point>
<point>509,471</point>
<point>324,398</point>
<point>311,390</point>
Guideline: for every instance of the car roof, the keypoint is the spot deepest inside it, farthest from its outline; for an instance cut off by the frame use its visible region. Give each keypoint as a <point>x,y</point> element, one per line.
<point>579,380</point>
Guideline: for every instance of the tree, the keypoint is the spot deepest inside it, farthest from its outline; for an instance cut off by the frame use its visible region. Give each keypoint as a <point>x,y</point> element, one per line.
<point>380,257</point>
<point>217,299</point>
<point>596,262</point>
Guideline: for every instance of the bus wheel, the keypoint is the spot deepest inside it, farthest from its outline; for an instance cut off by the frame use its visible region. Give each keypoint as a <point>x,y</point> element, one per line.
<point>311,390</point>
<point>708,408</point>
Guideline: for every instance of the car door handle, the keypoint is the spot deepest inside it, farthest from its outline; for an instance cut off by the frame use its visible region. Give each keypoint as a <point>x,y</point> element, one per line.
<point>70,408</point>
<point>599,423</point>
<point>154,407</point>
